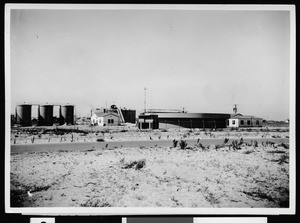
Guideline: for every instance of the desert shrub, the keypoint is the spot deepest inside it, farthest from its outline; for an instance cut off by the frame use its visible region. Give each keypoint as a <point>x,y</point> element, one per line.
<point>269,143</point>
<point>100,140</point>
<point>200,145</point>
<point>275,136</point>
<point>175,142</point>
<point>283,159</point>
<point>95,203</point>
<point>248,152</point>
<point>135,164</point>
<point>286,146</point>
<point>255,144</point>
<point>260,194</point>
<point>183,144</point>
<point>140,164</point>
<point>217,147</point>
<point>226,140</point>
<point>124,130</point>
<point>235,145</point>
<point>40,188</point>
<point>276,151</point>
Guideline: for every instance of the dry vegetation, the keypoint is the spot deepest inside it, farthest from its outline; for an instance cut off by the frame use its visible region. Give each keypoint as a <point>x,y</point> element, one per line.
<point>231,174</point>
<point>60,134</point>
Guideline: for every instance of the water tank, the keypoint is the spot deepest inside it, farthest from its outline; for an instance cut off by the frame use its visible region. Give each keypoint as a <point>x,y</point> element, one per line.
<point>129,115</point>
<point>23,114</point>
<point>45,115</point>
<point>67,114</point>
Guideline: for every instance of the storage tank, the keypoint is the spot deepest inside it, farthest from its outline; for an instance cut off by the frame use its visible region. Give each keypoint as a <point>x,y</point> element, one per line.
<point>23,114</point>
<point>67,114</point>
<point>129,115</point>
<point>45,115</point>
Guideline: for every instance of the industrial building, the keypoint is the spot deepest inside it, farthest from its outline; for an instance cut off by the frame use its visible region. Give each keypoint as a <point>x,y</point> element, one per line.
<point>187,120</point>
<point>129,115</point>
<point>148,122</point>
<point>105,119</point>
<point>23,114</point>
<point>239,120</point>
<point>112,116</point>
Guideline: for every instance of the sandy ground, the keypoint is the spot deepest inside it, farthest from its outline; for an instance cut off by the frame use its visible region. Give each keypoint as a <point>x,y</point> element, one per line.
<point>40,135</point>
<point>249,176</point>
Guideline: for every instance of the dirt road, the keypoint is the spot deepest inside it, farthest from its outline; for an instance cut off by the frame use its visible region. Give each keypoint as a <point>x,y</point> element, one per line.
<point>118,144</point>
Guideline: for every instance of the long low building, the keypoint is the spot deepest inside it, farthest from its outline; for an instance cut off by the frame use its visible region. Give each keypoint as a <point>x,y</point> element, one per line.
<point>239,120</point>
<point>191,120</point>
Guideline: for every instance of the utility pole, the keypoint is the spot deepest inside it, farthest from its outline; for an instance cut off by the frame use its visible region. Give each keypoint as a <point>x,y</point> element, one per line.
<point>145,89</point>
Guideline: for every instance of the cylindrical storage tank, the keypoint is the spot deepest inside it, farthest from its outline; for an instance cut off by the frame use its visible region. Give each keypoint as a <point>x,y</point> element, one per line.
<point>45,115</point>
<point>23,115</point>
<point>67,114</point>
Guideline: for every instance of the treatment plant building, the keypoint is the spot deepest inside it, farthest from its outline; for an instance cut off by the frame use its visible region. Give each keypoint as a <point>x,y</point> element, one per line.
<point>185,120</point>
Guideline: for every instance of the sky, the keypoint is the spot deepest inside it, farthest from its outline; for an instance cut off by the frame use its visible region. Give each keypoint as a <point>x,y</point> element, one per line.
<point>199,60</point>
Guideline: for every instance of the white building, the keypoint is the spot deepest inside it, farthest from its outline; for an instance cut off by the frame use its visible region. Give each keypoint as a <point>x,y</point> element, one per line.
<point>105,119</point>
<point>239,120</point>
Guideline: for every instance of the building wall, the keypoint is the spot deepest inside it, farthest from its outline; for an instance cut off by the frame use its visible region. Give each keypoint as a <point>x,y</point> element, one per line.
<point>244,122</point>
<point>250,122</point>
<point>94,119</point>
<point>192,123</point>
<point>107,120</point>
<point>234,123</point>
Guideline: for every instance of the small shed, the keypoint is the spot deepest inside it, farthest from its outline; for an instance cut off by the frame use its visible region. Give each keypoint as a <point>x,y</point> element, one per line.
<point>105,119</point>
<point>148,121</point>
<point>238,120</point>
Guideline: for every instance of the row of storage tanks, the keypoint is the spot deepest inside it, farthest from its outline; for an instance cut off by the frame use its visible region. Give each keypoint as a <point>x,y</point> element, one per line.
<point>45,115</point>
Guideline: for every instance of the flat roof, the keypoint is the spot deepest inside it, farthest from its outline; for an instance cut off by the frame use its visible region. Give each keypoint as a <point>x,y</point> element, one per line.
<point>190,115</point>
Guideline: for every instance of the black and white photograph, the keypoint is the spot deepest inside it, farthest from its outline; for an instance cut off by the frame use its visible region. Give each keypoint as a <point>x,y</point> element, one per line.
<point>150,109</point>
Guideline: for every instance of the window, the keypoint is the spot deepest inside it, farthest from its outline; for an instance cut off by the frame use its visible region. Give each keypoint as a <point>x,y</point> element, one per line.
<point>108,120</point>
<point>248,122</point>
<point>112,121</point>
<point>233,122</point>
<point>257,122</point>
<point>242,122</point>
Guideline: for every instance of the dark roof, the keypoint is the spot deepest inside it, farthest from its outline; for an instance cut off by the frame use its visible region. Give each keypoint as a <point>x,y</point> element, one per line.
<point>190,115</point>
<point>102,114</point>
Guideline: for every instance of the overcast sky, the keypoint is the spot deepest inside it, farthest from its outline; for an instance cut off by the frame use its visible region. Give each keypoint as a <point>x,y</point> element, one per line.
<point>204,61</point>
